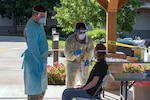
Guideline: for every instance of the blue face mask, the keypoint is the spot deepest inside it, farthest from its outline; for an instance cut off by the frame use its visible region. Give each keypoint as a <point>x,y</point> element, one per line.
<point>42,20</point>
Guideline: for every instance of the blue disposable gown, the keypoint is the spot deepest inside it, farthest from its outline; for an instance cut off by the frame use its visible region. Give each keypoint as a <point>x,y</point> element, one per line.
<point>35,58</point>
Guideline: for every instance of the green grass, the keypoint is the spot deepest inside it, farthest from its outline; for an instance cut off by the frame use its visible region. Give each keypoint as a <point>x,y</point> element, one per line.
<point>61,43</point>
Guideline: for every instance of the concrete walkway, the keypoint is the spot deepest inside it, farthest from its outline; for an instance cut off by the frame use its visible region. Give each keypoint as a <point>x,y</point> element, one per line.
<point>11,74</point>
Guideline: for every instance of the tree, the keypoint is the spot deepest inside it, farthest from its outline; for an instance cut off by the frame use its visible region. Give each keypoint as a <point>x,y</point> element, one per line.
<point>91,13</point>
<point>22,8</point>
<point>72,11</point>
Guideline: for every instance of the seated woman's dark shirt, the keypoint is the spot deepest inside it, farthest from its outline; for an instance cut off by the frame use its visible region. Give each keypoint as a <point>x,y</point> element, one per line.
<point>100,70</point>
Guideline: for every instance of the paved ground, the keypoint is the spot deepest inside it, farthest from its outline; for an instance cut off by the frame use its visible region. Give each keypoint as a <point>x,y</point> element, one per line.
<point>11,74</point>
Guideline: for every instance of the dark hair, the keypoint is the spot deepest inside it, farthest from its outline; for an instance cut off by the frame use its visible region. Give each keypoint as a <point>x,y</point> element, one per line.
<point>80,25</point>
<point>100,55</point>
<point>38,8</point>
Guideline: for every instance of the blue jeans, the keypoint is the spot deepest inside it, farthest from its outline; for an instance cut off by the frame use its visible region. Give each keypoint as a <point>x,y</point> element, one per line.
<point>70,93</point>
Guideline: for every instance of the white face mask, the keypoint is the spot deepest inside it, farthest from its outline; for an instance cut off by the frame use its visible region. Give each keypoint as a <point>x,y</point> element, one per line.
<point>42,20</point>
<point>81,36</point>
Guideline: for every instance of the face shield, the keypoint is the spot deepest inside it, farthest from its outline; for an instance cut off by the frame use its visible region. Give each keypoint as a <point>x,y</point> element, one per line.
<point>80,31</point>
<point>82,34</point>
<point>104,51</point>
<point>42,17</point>
<point>101,51</point>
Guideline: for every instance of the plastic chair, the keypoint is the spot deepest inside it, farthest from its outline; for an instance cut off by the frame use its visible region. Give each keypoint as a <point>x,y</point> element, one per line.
<point>95,97</point>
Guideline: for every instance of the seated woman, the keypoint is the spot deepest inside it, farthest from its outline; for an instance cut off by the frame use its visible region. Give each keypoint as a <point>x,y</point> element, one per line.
<point>95,79</point>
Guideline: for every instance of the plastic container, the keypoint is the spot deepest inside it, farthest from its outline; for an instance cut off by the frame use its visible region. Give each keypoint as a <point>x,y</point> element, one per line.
<point>147,72</point>
<point>142,54</point>
<point>148,53</point>
<point>137,53</point>
<point>145,55</point>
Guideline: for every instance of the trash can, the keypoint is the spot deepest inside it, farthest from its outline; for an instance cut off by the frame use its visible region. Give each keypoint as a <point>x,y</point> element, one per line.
<point>141,90</point>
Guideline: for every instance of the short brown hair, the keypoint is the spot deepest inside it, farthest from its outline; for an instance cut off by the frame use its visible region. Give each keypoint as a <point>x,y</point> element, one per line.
<point>38,8</point>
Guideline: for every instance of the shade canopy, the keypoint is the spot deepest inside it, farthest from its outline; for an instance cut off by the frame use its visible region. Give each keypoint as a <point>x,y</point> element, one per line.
<point>111,8</point>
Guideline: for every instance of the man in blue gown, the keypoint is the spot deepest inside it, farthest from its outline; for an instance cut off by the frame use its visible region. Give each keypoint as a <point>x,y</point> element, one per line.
<point>35,56</point>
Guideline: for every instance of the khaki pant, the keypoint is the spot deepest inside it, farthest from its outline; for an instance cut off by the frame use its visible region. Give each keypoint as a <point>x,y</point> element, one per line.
<point>36,97</point>
<point>74,74</point>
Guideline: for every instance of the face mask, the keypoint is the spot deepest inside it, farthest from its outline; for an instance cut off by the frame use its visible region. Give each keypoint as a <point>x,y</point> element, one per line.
<point>81,36</point>
<point>42,20</point>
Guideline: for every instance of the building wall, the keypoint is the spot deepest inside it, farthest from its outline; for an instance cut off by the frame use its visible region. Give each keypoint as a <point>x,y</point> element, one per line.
<point>6,25</point>
<point>141,28</point>
<point>142,20</point>
<point>5,21</point>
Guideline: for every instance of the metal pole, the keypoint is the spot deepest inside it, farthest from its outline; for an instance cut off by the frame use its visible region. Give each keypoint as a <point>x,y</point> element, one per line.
<point>55,52</point>
<point>55,44</point>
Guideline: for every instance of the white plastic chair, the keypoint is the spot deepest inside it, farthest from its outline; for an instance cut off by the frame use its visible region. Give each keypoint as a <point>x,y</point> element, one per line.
<point>104,81</point>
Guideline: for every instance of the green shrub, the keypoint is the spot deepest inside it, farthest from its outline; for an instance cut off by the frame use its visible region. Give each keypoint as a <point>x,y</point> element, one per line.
<point>56,74</point>
<point>97,34</point>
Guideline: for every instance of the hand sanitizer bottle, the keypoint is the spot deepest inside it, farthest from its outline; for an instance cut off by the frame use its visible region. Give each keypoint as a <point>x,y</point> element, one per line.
<point>145,55</point>
<point>148,58</point>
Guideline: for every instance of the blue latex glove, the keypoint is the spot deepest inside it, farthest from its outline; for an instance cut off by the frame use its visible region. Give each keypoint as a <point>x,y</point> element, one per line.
<point>86,63</point>
<point>41,67</point>
<point>77,52</point>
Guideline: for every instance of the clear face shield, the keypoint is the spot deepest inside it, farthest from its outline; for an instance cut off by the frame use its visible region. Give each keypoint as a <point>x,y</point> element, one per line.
<point>81,30</point>
<point>81,33</point>
<point>101,51</point>
<point>42,16</point>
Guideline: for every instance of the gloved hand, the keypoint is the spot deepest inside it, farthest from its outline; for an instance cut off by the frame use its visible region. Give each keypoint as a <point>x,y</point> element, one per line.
<point>77,52</point>
<point>41,67</point>
<point>86,63</point>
